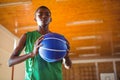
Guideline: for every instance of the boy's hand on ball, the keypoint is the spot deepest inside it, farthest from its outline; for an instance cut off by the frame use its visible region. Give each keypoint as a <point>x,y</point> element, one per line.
<point>36,46</point>
<point>66,61</point>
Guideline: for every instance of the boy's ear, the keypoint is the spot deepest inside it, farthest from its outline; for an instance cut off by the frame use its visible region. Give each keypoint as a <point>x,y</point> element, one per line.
<point>35,19</point>
<point>50,19</point>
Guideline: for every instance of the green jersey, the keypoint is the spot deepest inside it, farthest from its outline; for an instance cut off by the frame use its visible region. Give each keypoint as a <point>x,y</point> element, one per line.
<point>37,68</point>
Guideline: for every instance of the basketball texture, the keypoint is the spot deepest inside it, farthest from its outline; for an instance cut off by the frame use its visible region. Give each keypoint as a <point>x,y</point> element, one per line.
<point>53,47</point>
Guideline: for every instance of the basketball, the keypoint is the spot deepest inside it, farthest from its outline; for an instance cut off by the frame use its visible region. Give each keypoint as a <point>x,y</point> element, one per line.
<point>53,47</point>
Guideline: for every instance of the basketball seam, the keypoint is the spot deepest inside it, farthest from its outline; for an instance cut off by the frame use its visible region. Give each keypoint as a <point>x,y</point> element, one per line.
<point>57,39</point>
<point>53,49</point>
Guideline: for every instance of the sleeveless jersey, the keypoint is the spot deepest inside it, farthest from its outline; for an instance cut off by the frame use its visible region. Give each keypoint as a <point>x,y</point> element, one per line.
<point>37,68</point>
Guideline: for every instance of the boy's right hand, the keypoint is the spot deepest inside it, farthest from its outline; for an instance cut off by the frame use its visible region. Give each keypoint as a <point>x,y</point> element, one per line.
<point>37,45</point>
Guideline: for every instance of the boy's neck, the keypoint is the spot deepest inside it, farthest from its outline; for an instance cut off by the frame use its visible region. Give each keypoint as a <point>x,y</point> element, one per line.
<point>43,30</point>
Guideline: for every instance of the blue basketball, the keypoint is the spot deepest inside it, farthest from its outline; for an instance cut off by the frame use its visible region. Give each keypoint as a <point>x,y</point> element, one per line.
<point>53,47</point>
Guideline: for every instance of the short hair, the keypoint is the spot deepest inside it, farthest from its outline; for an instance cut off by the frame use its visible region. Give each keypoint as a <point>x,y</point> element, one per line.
<point>44,8</point>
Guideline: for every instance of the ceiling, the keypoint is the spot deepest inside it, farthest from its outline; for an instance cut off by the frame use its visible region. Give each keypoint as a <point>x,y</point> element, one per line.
<point>91,26</point>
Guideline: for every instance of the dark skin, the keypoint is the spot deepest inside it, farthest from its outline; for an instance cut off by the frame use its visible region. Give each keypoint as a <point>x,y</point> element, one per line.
<point>43,18</point>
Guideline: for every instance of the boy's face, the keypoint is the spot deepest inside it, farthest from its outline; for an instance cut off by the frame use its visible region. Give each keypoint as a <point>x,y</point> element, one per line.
<point>43,17</point>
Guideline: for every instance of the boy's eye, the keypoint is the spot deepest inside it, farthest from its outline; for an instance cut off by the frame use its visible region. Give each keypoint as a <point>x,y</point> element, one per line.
<point>47,14</point>
<point>40,14</point>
